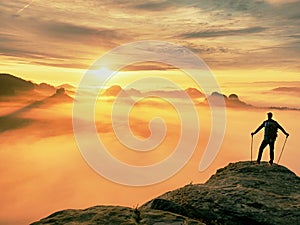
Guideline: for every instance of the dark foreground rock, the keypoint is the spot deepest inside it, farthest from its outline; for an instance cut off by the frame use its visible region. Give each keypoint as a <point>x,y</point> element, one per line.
<point>114,215</point>
<point>239,194</point>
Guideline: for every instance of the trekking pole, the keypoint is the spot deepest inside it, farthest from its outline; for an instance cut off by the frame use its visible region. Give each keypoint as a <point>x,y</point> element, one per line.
<point>282,150</point>
<point>251,146</point>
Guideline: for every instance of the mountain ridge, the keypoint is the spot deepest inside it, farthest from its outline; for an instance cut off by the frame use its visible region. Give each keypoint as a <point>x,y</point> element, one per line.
<point>13,85</point>
<point>10,84</point>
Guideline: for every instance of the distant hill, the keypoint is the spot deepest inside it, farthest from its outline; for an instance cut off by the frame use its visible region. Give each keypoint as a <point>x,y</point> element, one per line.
<point>194,93</point>
<point>113,91</point>
<point>14,89</point>
<point>232,100</point>
<point>66,87</point>
<point>60,96</point>
<point>44,87</point>
<point>11,85</point>
<point>239,194</point>
<point>14,86</point>
<point>116,89</point>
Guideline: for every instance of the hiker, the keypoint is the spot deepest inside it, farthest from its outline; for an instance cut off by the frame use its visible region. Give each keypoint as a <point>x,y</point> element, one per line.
<point>271,126</point>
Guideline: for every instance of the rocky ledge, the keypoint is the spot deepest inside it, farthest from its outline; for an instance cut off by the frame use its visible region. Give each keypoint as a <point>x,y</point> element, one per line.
<point>239,194</point>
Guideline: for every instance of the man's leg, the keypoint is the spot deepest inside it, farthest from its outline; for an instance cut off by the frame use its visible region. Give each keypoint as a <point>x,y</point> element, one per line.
<point>271,144</point>
<point>264,143</point>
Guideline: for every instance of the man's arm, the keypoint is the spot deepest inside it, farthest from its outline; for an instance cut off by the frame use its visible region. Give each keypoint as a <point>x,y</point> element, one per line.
<point>283,131</point>
<point>259,128</point>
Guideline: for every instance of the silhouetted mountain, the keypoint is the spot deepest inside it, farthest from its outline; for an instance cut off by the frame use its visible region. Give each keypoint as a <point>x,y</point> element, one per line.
<point>135,93</point>
<point>113,91</point>
<point>231,101</point>
<point>242,193</point>
<point>11,85</point>
<point>44,87</point>
<point>194,93</point>
<point>234,101</point>
<point>15,119</point>
<point>60,96</point>
<point>116,89</point>
<point>66,87</point>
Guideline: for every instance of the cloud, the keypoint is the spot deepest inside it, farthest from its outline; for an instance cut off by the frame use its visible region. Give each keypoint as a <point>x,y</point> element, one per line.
<point>287,89</point>
<point>31,116</point>
<point>61,30</point>
<point>63,63</point>
<point>11,123</point>
<point>154,5</point>
<point>279,2</point>
<point>292,91</point>
<point>147,66</point>
<point>222,33</point>
<point>16,48</point>
<point>295,17</point>
<point>57,33</point>
<point>283,108</point>
<point>39,52</point>
<point>210,50</point>
<point>226,8</point>
<point>56,43</point>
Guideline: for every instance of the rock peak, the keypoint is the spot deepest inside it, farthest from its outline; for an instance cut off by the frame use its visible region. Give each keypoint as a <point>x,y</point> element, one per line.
<point>240,193</point>
<point>251,170</point>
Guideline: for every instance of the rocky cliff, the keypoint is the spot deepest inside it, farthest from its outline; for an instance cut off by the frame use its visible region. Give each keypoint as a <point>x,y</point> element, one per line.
<point>241,193</point>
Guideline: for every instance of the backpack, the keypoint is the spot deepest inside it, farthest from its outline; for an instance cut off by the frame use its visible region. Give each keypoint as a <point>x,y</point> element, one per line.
<point>271,128</point>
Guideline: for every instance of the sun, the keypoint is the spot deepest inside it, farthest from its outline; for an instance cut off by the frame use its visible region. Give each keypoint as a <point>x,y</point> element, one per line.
<point>104,71</point>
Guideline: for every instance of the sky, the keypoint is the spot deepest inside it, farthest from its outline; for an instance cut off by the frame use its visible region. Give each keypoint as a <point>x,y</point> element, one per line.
<point>57,41</point>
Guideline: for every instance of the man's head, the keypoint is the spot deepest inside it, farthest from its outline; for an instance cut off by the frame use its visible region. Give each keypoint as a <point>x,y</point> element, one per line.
<point>270,115</point>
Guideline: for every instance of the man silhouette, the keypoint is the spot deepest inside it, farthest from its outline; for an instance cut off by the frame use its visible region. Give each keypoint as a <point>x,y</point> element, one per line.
<point>271,126</point>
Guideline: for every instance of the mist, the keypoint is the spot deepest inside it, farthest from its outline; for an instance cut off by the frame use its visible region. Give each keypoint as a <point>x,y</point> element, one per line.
<point>43,169</point>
